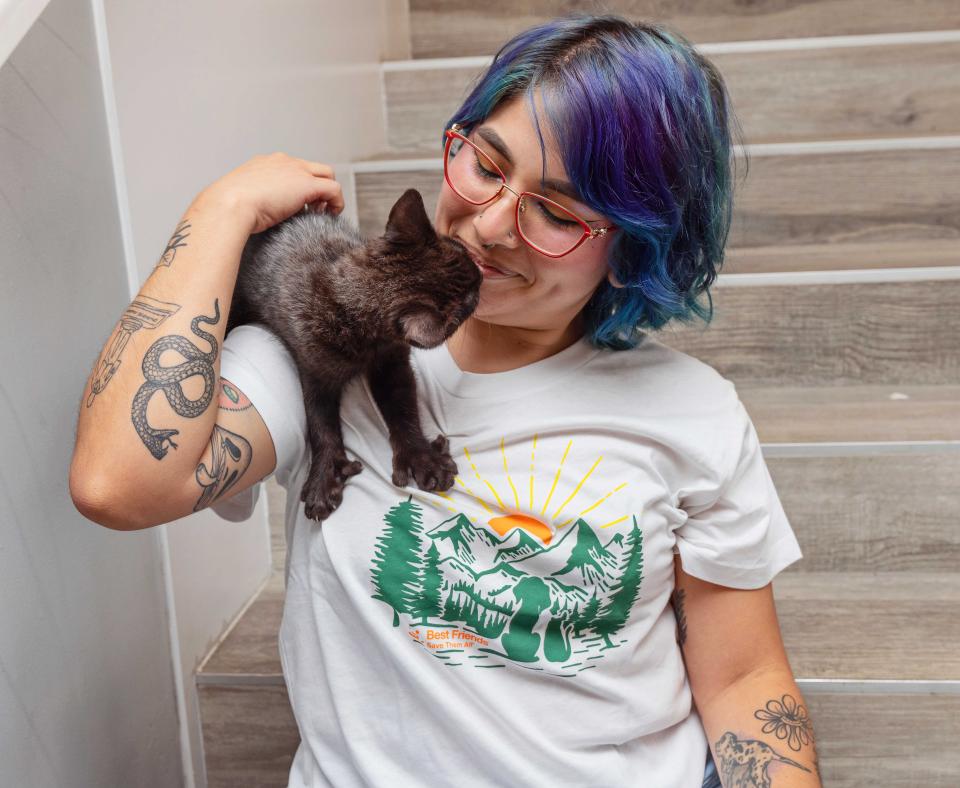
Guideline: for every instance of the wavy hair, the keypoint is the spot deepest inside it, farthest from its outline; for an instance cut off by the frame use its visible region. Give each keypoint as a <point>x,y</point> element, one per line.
<point>643,123</point>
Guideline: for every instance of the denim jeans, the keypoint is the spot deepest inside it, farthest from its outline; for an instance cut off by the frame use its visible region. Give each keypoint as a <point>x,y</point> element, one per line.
<point>710,777</point>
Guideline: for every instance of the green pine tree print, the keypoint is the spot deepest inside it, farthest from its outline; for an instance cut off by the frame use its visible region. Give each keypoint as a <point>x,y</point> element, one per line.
<point>396,575</point>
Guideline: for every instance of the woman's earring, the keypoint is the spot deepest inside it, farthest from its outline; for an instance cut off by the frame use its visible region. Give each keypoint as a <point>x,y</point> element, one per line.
<point>612,278</point>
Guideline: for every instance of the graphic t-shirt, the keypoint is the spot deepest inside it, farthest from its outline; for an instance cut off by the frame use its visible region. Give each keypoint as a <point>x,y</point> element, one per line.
<point>517,629</point>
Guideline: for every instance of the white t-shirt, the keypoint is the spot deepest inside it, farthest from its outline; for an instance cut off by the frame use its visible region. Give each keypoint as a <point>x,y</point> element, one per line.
<point>516,629</point>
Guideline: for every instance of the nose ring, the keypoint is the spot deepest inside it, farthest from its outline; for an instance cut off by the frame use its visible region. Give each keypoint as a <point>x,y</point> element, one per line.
<point>509,232</point>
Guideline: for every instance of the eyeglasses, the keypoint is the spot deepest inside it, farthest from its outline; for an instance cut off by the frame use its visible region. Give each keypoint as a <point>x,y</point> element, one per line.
<point>546,226</point>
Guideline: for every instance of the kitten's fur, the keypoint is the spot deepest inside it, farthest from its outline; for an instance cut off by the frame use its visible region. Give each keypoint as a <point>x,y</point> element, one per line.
<point>344,305</point>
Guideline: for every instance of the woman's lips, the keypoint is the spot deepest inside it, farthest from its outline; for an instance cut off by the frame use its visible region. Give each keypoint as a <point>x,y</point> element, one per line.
<point>486,268</point>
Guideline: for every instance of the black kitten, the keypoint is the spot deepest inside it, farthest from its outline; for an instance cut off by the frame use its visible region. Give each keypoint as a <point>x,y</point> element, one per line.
<point>344,305</point>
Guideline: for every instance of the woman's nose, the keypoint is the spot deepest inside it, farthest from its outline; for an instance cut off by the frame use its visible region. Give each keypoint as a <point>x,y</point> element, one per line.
<point>497,222</point>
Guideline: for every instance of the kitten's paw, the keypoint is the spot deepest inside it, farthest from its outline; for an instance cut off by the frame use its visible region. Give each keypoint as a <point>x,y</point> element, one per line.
<point>430,464</point>
<point>322,492</point>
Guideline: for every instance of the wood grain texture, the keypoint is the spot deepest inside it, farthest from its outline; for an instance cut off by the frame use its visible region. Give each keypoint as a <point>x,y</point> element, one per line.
<point>870,625</point>
<point>800,212</point>
<point>886,740</point>
<point>807,414</point>
<point>830,335</point>
<point>882,90</point>
<point>890,514</point>
<point>249,736</point>
<point>440,28</point>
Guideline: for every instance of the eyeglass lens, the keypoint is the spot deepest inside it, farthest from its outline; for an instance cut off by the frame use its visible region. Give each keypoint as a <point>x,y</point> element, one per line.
<point>543,223</point>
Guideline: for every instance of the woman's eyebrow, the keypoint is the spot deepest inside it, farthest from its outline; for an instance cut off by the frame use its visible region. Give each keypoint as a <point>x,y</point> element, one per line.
<point>497,143</point>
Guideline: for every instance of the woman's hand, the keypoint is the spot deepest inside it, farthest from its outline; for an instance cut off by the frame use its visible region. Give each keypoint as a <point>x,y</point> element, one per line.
<point>270,188</point>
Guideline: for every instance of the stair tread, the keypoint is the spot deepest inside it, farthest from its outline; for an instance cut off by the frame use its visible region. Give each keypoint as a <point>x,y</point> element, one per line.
<point>916,637</point>
<point>441,29</point>
<point>873,90</point>
<point>880,413</point>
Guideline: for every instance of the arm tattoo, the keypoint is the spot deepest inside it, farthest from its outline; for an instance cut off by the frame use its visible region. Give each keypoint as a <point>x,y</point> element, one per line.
<point>177,240</point>
<point>170,379</point>
<point>231,454</point>
<point>143,312</point>
<point>677,600</point>
<point>788,720</point>
<point>231,398</point>
<point>744,762</point>
<point>230,457</point>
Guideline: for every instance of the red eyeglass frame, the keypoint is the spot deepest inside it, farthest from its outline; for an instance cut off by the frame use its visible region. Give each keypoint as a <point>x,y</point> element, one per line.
<point>588,232</point>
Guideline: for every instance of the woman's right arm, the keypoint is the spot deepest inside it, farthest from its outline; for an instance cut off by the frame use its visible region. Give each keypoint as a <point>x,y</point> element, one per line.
<point>149,412</point>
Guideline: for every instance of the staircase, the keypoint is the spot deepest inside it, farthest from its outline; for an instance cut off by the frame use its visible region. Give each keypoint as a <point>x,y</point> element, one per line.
<point>837,316</point>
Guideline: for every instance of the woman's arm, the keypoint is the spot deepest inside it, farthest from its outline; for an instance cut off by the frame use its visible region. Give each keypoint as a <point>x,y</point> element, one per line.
<point>749,704</point>
<point>145,415</point>
<point>149,408</point>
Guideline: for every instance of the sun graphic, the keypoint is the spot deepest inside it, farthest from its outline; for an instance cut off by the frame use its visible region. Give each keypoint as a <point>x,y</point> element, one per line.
<point>505,517</point>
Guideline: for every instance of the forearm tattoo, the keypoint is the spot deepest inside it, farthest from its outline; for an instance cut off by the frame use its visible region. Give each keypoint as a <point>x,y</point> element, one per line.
<point>177,240</point>
<point>144,312</point>
<point>169,380</point>
<point>744,762</point>
<point>788,719</point>
<point>677,600</point>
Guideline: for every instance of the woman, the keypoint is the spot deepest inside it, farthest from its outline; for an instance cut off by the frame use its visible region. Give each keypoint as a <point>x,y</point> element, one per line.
<point>613,518</point>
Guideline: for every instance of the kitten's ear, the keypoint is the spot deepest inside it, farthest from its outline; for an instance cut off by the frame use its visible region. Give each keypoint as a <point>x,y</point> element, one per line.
<point>408,221</point>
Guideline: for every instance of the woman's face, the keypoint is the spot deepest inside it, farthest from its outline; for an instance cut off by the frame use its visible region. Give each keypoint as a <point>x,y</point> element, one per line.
<point>547,292</point>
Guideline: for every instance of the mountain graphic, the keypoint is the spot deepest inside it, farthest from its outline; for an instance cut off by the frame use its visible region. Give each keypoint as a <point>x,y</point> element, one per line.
<point>494,585</point>
<point>617,540</point>
<point>472,545</point>
<point>578,558</point>
<point>491,566</point>
<point>525,545</point>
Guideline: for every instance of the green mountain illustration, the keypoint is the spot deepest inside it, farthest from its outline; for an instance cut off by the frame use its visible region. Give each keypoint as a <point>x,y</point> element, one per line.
<point>494,585</point>
<point>471,544</point>
<point>538,602</point>
<point>577,557</point>
<point>568,568</point>
<point>617,540</point>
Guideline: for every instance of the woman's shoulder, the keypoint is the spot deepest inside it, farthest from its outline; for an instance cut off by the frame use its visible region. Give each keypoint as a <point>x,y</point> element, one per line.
<point>654,363</point>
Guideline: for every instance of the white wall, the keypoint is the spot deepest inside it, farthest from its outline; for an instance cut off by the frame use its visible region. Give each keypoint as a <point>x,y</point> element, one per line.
<point>100,631</point>
<point>86,684</point>
<point>201,87</point>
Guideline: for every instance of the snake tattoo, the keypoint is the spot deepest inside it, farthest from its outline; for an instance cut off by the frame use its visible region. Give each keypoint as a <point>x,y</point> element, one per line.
<point>169,380</point>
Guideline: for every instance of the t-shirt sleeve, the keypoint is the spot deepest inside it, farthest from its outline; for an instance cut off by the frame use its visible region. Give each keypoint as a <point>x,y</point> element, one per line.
<point>736,533</point>
<point>260,365</point>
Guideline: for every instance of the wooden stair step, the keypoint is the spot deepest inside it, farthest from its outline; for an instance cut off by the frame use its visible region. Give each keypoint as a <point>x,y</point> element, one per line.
<point>249,735</point>
<point>894,89</point>
<point>870,625</point>
<point>830,335</point>
<point>441,29</point>
<point>852,413</point>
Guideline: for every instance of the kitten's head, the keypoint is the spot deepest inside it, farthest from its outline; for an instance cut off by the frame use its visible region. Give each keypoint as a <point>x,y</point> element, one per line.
<point>430,282</point>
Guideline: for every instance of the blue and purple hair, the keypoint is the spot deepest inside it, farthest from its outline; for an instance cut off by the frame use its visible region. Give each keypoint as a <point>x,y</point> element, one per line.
<point>641,120</point>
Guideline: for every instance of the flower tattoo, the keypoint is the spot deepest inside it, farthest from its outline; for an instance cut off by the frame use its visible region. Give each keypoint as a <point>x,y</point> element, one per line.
<point>788,719</point>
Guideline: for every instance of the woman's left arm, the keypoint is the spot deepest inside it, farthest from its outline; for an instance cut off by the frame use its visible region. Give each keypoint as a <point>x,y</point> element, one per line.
<point>748,701</point>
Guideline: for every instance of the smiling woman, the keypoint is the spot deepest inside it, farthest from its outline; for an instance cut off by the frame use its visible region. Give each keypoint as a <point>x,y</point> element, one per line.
<point>518,627</point>
<point>628,126</point>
